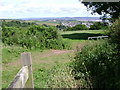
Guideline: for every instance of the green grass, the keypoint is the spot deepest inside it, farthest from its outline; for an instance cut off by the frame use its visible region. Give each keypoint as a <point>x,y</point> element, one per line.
<point>44,67</point>
<point>43,63</point>
<point>45,22</point>
<point>8,75</point>
<point>84,31</point>
<point>49,69</point>
<point>75,38</point>
<point>12,53</point>
<point>11,62</point>
<point>60,77</point>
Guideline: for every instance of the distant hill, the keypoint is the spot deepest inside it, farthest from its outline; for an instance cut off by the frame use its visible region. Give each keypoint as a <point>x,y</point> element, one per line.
<point>65,18</point>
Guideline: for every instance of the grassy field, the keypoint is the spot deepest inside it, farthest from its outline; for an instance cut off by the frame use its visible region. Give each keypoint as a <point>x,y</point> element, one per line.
<point>45,22</point>
<point>50,67</point>
<point>43,64</point>
<point>80,38</point>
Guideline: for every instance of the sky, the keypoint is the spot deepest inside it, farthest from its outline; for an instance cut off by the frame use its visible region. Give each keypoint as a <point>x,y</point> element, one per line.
<point>43,8</point>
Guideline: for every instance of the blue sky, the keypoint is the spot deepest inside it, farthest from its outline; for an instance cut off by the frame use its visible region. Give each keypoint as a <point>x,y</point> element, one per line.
<point>43,8</point>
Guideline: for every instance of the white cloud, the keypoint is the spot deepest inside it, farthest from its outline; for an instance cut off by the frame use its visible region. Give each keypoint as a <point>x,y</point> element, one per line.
<point>37,8</point>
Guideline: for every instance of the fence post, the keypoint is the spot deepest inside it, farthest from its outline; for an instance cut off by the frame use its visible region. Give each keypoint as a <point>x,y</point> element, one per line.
<point>26,60</point>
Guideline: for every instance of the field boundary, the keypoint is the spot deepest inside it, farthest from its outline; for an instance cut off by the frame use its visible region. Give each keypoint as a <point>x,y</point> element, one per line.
<point>24,78</point>
<point>98,37</point>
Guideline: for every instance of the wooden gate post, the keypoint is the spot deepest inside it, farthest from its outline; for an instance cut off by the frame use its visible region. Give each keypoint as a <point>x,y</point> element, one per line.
<point>26,60</point>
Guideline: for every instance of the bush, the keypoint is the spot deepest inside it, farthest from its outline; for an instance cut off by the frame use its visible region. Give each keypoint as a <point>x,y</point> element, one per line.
<point>60,27</point>
<point>99,64</point>
<point>77,27</point>
<point>16,23</point>
<point>34,36</point>
<point>97,26</point>
<point>80,27</point>
<point>114,32</point>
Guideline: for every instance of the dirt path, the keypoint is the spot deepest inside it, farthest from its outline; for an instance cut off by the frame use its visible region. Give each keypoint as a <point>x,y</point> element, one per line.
<point>51,56</point>
<point>61,51</point>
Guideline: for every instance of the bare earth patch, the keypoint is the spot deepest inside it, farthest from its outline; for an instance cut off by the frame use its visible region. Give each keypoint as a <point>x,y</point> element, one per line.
<point>50,56</point>
<point>61,51</point>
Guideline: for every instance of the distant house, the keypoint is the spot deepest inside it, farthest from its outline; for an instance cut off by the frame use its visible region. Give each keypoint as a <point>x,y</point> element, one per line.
<point>71,24</point>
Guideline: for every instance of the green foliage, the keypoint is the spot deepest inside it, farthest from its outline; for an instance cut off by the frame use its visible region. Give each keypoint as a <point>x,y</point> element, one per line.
<point>60,27</point>
<point>97,26</point>
<point>111,8</point>
<point>60,77</point>
<point>41,75</point>
<point>16,23</point>
<point>99,64</point>
<point>34,36</point>
<point>56,77</point>
<point>77,27</point>
<point>114,32</point>
<point>10,54</point>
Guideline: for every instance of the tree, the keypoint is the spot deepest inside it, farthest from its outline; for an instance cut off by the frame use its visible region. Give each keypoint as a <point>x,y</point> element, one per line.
<point>114,32</point>
<point>111,8</point>
<point>98,26</point>
<point>80,27</point>
<point>77,27</point>
<point>60,27</point>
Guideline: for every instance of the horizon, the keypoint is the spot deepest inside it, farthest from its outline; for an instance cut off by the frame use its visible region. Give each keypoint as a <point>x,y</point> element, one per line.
<point>49,17</point>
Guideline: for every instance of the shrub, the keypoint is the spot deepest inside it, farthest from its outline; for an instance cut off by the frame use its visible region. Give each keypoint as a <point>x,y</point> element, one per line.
<point>16,23</point>
<point>114,32</point>
<point>34,36</point>
<point>60,27</point>
<point>77,27</point>
<point>80,27</point>
<point>97,26</point>
<point>99,64</point>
